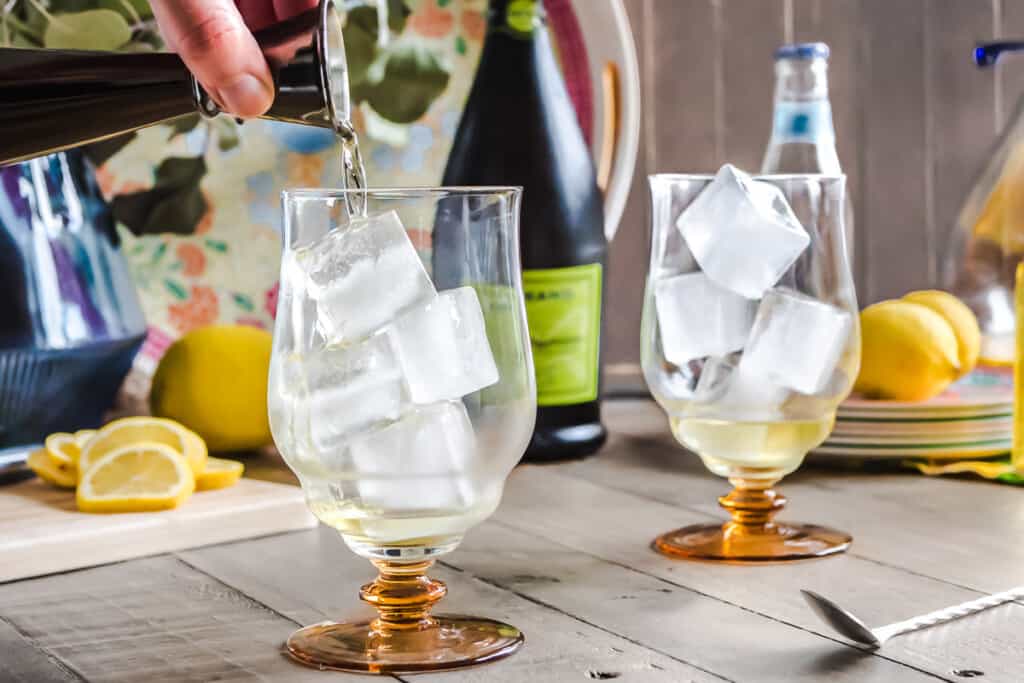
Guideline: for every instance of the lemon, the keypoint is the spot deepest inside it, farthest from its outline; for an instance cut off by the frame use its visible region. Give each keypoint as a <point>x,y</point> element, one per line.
<point>219,474</point>
<point>63,450</point>
<point>214,380</point>
<point>40,462</point>
<point>138,477</point>
<point>82,437</point>
<point>908,352</point>
<point>195,451</point>
<point>132,430</point>
<point>960,318</point>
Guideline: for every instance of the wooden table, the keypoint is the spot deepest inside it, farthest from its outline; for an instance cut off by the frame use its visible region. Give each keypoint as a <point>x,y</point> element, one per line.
<point>567,559</point>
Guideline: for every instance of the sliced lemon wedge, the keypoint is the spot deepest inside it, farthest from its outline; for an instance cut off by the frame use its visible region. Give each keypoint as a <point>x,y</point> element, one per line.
<point>63,450</point>
<point>219,474</point>
<point>41,462</point>
<point>133,430</point>
<point>138,477</point>
<point>82,437</point>
<point>195,452</point>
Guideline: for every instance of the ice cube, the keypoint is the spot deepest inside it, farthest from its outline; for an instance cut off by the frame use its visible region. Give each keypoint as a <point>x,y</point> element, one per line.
<point>713,381</point>
<point>673,256</point>
<point>727,386</point>
<point>347,389</point>
<point>363,275</point>
<point>796,341</point>
<point>443,349</point>
<point>698,318</point>
<point>421,462</point>
<point>742,233</point>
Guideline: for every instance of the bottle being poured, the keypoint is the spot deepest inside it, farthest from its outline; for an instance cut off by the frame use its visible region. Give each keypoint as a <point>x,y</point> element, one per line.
<point>58,99</point>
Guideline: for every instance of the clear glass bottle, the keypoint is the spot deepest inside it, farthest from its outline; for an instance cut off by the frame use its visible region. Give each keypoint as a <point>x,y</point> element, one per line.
<point>803,136</point>
<point>987,241</point>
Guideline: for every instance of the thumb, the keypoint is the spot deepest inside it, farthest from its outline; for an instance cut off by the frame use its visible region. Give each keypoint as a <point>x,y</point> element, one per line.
<point>214,42</point>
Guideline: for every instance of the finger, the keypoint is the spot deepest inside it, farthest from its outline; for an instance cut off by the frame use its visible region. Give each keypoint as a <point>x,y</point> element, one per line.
<point>212,39</point>
<point>257,13</point>
<point>286,9</point>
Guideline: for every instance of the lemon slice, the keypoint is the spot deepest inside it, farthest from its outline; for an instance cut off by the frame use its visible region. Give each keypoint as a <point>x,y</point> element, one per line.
<point>82,437</point>
<point>42,464</point>
<point>133,430</point>
<point>63,450</point>
<point>219,474</point>
<point>196,452</point>
<point>136,478</point>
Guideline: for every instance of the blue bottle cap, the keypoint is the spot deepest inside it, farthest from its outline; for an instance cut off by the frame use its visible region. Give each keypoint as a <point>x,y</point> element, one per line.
<point>803,51</point>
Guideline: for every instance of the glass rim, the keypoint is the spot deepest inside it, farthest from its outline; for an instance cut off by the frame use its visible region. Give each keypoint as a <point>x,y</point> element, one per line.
<point>402,192</point>
<point>755,176</point>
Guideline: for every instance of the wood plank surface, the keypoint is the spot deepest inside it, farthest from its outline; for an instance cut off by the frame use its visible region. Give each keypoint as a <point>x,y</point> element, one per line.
<point>893,517</point>
<point>834,22</point>
<point>311,576</point>
<point>893,147</point>
<point>961,119</point>
<point>684,105</point>
<point>154,619</point>
<point>24,662</point>
<point>42,531</point>
<point>750,34</point>
<point>567,559</point>
<point>620,526</point>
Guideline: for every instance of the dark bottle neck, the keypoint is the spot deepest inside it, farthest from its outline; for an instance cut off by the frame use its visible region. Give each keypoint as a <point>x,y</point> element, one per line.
<point>520,18</point>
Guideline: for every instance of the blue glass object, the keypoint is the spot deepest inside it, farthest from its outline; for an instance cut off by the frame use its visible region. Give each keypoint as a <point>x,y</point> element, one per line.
<point>987,54</point>
<point>70,319</point>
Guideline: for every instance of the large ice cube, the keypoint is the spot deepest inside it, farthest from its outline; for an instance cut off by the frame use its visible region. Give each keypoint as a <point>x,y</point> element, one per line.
<point>796,341</point>
<point>363,275</point>
<point>443,349</point>
<point>698,318</point>
<point>420,462</point>
<point>727,386</point>
<point>347,389</point>
<point>713,381</point>
<point>742,233</point>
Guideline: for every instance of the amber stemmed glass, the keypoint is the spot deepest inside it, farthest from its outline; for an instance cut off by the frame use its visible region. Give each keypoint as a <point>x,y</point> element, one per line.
<point>751,380</point>
<point>402,395</point>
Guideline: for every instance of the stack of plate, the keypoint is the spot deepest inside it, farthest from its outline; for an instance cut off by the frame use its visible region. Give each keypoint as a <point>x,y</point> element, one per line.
<point>971,419</point>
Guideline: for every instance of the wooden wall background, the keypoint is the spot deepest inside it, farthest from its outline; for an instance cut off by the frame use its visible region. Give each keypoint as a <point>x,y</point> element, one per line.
<point>914,121</point>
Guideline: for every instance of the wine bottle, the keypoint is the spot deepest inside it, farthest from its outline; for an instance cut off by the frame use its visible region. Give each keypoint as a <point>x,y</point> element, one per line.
<point>520,128</point>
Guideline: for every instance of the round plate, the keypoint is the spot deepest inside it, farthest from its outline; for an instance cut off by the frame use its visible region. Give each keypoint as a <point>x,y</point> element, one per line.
<point>936,452</point>
<point>986,388</point>
<point>1000,426</point>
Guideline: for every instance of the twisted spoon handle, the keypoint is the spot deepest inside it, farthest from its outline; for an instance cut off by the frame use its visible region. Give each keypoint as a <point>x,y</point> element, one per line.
<point>948,614</point>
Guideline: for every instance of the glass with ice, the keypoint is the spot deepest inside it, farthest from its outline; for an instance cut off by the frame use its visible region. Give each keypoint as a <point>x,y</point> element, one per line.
<point>402,394</point>
<point>749,343</point>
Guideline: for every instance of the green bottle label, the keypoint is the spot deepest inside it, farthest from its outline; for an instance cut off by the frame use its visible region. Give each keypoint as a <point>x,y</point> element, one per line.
<point>563,308</point>
<point>520,15</point>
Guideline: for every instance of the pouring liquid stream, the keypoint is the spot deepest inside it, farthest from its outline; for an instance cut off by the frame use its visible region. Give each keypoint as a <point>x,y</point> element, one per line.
<point>353,172</point>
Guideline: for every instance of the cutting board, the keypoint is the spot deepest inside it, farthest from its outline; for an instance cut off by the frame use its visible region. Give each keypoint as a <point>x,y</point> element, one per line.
<point>42,532</point>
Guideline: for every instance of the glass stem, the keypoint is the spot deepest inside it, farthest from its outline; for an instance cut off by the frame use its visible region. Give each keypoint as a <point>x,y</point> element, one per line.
<point>752,503</point>
<point>403,595</point>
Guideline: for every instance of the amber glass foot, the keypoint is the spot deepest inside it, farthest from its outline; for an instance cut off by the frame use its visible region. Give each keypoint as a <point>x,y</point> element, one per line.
<point>404,638</point>
<point>751,535</point>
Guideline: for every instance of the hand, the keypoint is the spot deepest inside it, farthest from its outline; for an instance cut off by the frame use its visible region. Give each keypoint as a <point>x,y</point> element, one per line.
<point>214,38</point>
